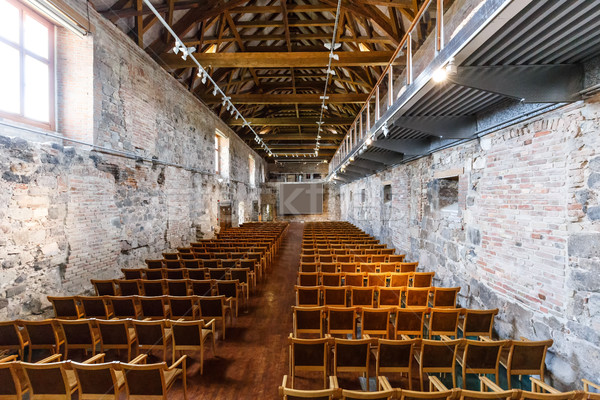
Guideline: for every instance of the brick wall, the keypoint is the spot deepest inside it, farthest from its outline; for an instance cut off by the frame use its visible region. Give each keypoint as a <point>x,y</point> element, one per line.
<point>70,213</point>
<point>526,234</point>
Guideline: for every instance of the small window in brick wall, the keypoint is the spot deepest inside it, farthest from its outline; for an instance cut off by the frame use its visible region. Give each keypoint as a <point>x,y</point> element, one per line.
<point>363,196</point>
<point>387,193</point>
<point>350,196</point>
<point>446,193</point>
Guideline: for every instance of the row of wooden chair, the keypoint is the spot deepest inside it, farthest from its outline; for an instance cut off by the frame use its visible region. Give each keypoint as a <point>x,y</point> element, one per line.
<point>387,392</point>
<point>433,356</point>
<point>379,255</point>
<point>245,275</point>
<point>394,279</point>
<point>56,335</point>
<point>92,379</point>
<point>174,287</point>
<point>407,322</point>
<point>380,296</point>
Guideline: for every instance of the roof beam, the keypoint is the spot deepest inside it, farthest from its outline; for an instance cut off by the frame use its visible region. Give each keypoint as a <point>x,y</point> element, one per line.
<point>281,121</point>
<point>293,37</point>
<point>300,98</point>
<point>277,60</point>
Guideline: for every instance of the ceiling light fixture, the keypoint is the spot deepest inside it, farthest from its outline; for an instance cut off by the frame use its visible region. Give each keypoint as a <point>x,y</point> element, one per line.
<point>439,75</point>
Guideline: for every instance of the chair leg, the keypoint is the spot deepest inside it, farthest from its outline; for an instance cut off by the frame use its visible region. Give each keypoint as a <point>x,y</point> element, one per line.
<point>201,359</point>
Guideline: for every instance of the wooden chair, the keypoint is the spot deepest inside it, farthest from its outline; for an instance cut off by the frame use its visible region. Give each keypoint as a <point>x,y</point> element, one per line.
<point>242,275</point>
<point>309,267</point>
<point>170,256</point>
<point>589,394</point>
<point>368,267</point>
<point>105,287</point>
<point>377,279</point>
<point>407,267</point>
<point>94,307</point>
<point>409,322</point>
<point>480,357</point>
<point>400,279</point>
<point>477,323</point>
<point>326,258</point>
<point>375,322</point>
<point>102,380</point>
<point>389,297</point>
<point>331,279</point>
<point>134,273</point>
<point>329,268</point>
<point>388,267</point>
<point>334,295</point>
<point>356,279</point>
<point>12,386</point>
<point>308,295</point>
<point>307,320</point>
<point>416,297</point>
<point>308,279</point>
<point>117,334</point>
<point>52,380</point>
<point>309,258</point>
<point>292,394</point>
<point>153,381</point>
<point>79,334</point>
<point>191,336</point>
<point>308,355</point>
<point>362,296</point>
<point>210,263</point>
<point>395,356</point>
<point>123,306</point>
<point>202,287</point>
<point>379,258</point>
<point>396,257</point>
<point>11,338</point>
<point>42,335</point>
<point>352,356</point>
<point>153,307</point>
<point>525,357</point>
<point>155,264</point>
<point>229,263</point>
<point>348,267</point>
<point>348,258</point>
<point>422,279</point>
<point>383,394</point>
<point>192,263</point>
<point>443,322</point>
<point>217,308</point>
<point>175,274</point>
<point>445,297</point>
<point>152,275</point>
<point>152,288</point>
<point>66,307</point>
<point>177,287</point>
<point>550,394</point>
<point>152,335</point>
<point>232,291</point>
<point>438,356</point>
<point>341,321</point>
<point>183,307</point>
<point>129,287</point>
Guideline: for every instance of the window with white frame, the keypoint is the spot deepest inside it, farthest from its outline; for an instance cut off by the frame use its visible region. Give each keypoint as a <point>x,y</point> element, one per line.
<point>252,171</point>
<point>221,155</point>
<point>27,66</point>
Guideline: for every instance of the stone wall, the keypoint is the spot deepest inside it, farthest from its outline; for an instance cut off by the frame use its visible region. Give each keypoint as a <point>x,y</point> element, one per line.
<point>70,212</point>
<point>524,236</point>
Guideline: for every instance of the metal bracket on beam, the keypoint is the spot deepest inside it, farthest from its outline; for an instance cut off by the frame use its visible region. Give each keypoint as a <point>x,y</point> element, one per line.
<point>528,83</point>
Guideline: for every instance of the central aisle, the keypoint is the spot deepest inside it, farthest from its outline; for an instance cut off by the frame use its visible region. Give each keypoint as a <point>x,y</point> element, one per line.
<point>251,362</point>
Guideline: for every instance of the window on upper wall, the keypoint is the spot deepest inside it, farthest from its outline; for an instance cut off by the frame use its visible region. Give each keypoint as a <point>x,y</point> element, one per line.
<point>26,66</point>
<point>387,193</point>
<point>363,196</point>
<point>221,155</point>
<point>252,171</point>
<point>217,154</point>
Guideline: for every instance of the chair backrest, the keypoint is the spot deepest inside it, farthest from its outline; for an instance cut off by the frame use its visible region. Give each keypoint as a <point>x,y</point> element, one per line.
<point>129,287</point>
<point>417,297</point>
<point>153,274</point>
<point>438,355</point>
<point>65,307</point>
<point>46,379</point>
<point>177,287</point>
<point>377,279</point>
<point>193,263</point>
<point>123,306</point>
<point>368,267</point>
<point>133,273</point>
<point>218,273</point>
<point>482,357</point>
<point>172,264</point>
<point>153,264</point>
<point>114,331</point>
<point>308,279</point>
<point>153,307</point>
<point>309,267</point>
<point>40,332</point>
<point>394,355</point>
<point>362,296</point>
<point>9,334</point>
<point>308,295</point>
<point>328,267</point>
<point>307,320</point>
<point>105,287</point>
<point>77,331</point>
<point>334,295</point>
<point>94,307</point>
<point>528,357</point>
<point>197,274</point>
<point>399,279</point>
<point>348,267</point>
<point>356,279</point>
<point>150,333</point>
<point>341,321</point>
<point>445,297</point>
<point>170,256</point>
<point>308,352</point>
<point>182,306</point>
<point>240,274</point>
<point>228,288</point>
<point>479,323</point>
<point>422,279</point>
<point>187,333</point>
<point>96,380</point>
<point>10,384</point>
<point>201,287</point>
<point>408,267</point>
<point>145,380</point>
<point>409,321</point>
<point>389,296</point>
<point>178,273</point>
<point>331,279</point>
<point>153,288</point>
<point>351,355</point>
<point>211,306</point>
<point>396,257</point>
<point>375,321</point>
<point>444,321</point>
<point>210,263</point>
<point>389,267</point>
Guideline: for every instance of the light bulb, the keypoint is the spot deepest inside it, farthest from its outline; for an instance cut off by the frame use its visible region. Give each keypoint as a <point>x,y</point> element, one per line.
<point>440,75</point>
